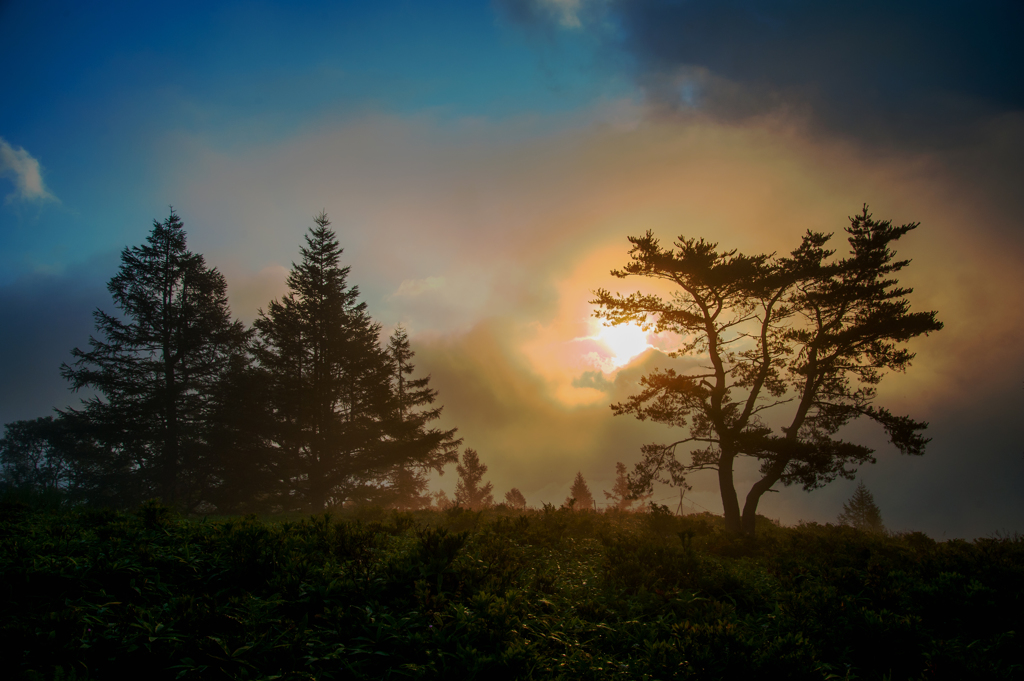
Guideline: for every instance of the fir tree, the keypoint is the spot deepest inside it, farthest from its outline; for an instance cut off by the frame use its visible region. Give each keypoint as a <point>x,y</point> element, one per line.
<point>861,511</point>
<point>469,493</point>
<point>580,494</point>
<point>330,379</point>
<point>515,499</point>
<point>154,368</point>
<point>416,447</point>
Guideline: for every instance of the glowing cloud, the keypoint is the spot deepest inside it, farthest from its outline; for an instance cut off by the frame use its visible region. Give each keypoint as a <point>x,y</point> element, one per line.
<point>23,169</point>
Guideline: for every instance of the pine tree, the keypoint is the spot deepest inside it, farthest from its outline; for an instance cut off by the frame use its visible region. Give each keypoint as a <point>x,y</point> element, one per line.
<point>515,499</point>
<point>330,381</point>
<point>861,511</point>
<point>808,336</point>
<point>621,494</point>
<point>580,493</point>
<point>469,493</point>
<point>154,368</point>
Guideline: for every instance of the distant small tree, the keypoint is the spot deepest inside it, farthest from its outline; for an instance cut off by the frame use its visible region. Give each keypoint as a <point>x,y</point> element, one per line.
<point>861,511</point>
<point>621,494</point>
<point>515,499</point>
<point>468,490</point>
<point>580,493</point>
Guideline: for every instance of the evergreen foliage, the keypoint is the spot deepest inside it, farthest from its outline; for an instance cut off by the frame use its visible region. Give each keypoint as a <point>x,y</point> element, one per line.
<point>515,499</point>
<point>154,369</point>
<point>469,492</point>
<point>807,332</point>
<point>417,448</point>
<point>341,431</point>
<point>580,497</point>
<point>861,511</point>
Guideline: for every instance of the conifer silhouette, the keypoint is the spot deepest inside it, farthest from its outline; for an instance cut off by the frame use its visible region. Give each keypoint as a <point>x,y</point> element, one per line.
<point>155,368</point>
<point>515,499</point>
<point>861,511</point>
<point>580,494</point>
<point>469,493</point>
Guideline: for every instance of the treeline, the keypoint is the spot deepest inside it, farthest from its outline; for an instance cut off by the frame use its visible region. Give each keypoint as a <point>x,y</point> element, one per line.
<point>307,409</point>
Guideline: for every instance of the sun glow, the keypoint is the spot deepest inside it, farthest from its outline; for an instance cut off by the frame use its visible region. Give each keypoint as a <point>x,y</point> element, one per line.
<point>624,341</point>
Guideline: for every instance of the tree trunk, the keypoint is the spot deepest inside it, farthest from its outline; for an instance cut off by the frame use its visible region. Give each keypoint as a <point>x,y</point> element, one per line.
<point>756,492</point>
<point>730,503</point>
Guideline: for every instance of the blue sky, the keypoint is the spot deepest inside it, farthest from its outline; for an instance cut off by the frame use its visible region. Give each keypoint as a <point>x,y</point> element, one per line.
<point>483,163</point>
<point>92,92</point>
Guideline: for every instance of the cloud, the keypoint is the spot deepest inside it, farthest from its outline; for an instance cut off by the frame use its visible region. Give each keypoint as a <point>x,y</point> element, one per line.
<point>413,288</point>
<point>911,74</point>
<point>23,169</point>
<point>592,379</point>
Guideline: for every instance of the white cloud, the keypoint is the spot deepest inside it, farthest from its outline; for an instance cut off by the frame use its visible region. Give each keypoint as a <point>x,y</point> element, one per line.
<point>410,288</point>
<point>567,12</point>
<point>23,169</point>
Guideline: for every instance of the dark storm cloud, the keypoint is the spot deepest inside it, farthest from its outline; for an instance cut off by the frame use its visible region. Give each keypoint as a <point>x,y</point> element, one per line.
<point>45,316</point>
<point>910,72</point>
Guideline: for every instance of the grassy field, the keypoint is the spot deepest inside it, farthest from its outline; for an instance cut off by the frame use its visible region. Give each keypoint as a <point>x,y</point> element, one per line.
<point>546,594</point>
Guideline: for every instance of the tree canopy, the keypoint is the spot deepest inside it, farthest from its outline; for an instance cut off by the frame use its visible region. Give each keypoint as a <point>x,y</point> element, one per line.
<point>802,340</point>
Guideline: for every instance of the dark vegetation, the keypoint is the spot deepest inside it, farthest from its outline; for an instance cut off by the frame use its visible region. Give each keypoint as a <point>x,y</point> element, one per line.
<point>498,594</point>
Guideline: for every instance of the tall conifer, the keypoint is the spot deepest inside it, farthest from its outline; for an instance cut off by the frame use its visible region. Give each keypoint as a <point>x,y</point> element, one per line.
<point>330,381</point>
<point>154,368</point>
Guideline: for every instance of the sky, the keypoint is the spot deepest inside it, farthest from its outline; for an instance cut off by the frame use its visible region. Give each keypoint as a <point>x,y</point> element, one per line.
<point>483,165</point>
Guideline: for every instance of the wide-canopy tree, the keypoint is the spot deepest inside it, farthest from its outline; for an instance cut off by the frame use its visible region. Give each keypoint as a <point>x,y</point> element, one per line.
<point>802,340</point>
<point>154,368</point>
<point>347,416</point>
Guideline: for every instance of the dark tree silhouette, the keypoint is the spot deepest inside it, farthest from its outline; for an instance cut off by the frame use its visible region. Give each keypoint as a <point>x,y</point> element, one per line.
<point>417,448</point>
<point>154,368</point>
<point>808,332</point>
<point>515,499</point>
<point>862,512</point>
<point>580,494</point>
<point>243,459</point>
<point>469,493</point>
<point>621,495</point>
<point>330,382</point>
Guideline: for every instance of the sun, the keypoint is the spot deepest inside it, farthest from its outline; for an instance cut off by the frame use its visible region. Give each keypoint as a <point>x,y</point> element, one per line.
<point>625,341</point>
